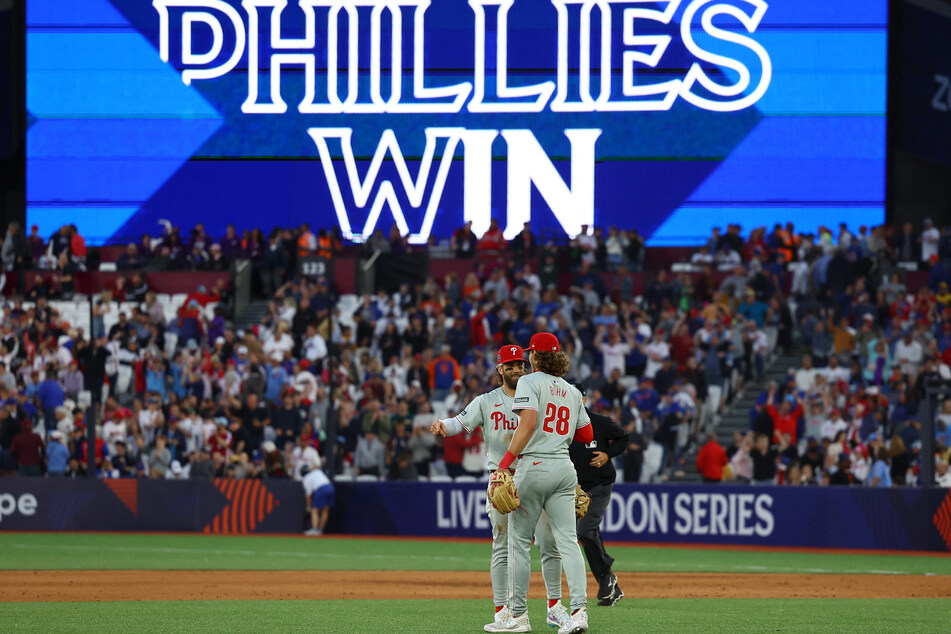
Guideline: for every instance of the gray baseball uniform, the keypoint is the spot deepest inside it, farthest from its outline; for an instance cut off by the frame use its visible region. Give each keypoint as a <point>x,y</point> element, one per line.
<point>493,412</point>
<point>546,480</point>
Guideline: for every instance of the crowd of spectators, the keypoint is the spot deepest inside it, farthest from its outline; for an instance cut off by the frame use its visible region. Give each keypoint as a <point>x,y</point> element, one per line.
<point>195,397</point>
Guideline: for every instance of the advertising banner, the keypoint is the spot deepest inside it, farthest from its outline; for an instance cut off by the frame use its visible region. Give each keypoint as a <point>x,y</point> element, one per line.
<point>668,116</point>
<point>224,506</point>
<point>828,517</point>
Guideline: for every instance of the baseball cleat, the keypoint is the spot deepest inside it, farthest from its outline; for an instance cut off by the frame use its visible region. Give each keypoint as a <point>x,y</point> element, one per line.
<point>500,617</point>
<point>558,615</point>
<point>614,598</point>
<point>606,585</point>
<point>511,624</point>
<point>577,623</point>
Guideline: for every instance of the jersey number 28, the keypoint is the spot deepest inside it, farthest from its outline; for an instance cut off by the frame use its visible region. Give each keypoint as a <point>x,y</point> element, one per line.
<point>558,415</point>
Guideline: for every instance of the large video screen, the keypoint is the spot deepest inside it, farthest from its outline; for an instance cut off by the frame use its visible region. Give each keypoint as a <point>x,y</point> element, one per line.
<point>668,117</point>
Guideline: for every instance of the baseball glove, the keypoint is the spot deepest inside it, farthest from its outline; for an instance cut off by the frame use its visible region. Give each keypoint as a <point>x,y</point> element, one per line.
<point>582,500</point>
<point>502,493</point>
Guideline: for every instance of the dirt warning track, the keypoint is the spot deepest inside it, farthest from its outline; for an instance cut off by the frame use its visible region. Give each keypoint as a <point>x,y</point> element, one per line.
<point>169,585</point>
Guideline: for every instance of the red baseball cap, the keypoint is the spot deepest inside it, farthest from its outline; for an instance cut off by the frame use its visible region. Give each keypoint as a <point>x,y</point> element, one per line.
<point>510,353</point>
<point>544,342</point>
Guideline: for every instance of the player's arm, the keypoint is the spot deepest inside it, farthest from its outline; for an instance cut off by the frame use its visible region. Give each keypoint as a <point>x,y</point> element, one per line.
<point>446,427</point>
<point>468,420</point>
<point>584,432</point>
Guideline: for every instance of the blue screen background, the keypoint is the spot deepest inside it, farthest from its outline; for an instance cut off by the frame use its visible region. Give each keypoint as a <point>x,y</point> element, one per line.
<point>117,141</point>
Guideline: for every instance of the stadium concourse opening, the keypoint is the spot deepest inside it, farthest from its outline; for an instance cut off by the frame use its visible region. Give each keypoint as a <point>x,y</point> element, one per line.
<point>210,585</point>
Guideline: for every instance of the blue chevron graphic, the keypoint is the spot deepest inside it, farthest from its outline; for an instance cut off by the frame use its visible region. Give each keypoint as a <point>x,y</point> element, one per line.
<point>832,140</point>
<point>100,96</point>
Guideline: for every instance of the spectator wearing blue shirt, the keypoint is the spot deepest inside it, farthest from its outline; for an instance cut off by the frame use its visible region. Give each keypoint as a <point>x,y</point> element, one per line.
<point>155,377</point>
<point>903,410</point>
<point>57,456</point>
<point>548,305</point>
<point>943,424</point>
<point>752,308</point>
<point>645,397</point>
<point>26,404</point>
<point>50,394</point>
<point>910,433</point>
<point>521,330</point>
<point>177,370</point>
<point>880,474</point>
<point>276,379</point>
<point>458,337</point>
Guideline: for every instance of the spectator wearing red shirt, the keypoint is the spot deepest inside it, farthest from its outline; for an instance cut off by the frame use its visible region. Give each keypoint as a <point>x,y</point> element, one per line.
<point>220,442</point>
<point>492,241</point>
<point>681,346</point>
<point>27,450</point>
<point>77,245</point>
<point>785,419</point>
<point>711,459</point>
<point>900,312</point>
<point>455,448</point>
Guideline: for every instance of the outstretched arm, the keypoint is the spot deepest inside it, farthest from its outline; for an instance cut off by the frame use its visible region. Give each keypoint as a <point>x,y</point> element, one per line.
<point>445,427</point>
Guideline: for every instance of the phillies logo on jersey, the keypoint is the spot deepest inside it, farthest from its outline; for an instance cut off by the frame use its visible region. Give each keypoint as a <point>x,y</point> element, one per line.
<point>501,421</point>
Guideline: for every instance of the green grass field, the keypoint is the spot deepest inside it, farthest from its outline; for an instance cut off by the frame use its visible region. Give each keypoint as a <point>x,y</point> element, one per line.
<point>186,552</point>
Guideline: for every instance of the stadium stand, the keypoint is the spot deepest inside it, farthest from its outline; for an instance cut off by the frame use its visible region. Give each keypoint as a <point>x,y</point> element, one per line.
<point>805,358</point>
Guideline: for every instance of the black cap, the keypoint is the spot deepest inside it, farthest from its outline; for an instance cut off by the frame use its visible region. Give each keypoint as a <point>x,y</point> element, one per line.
<point>580,387</point>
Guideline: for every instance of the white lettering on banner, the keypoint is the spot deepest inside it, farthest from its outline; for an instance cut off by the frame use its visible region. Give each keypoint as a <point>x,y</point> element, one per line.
<point>528,167</point>
<point>374,32</point>
<point>745,501</point>
<point>25,504</point>
<point>697,75</point>
<point>698,15</point>
<point>237,25</point>
<point>542,92</point>
<point>764,527</point>
<point>639,500</point>
<point>385,191</point>
<point>695,514</point>
<point>466,509</point>
<point>441,520</point>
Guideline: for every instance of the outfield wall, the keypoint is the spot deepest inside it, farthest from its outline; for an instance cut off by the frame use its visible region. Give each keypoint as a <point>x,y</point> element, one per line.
<point>209,506</point>
<point>834,517</point>
<point>901,519</point>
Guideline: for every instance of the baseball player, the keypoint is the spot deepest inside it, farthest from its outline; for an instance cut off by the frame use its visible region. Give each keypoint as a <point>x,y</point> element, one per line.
<point>596,476</point>
<point>550,415</point>
<point>493,412</point>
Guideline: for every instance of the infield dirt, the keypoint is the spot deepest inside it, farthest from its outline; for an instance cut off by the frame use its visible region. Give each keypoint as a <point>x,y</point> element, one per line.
<point>163,585</point>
